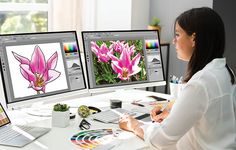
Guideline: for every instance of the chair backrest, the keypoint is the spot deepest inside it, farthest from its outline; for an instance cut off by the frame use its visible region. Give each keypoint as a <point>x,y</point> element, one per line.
<point>234,99</point>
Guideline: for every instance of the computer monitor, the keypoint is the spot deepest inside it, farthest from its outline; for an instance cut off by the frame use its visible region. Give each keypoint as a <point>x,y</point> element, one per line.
<point>122,59</point>
<point>41,66</point>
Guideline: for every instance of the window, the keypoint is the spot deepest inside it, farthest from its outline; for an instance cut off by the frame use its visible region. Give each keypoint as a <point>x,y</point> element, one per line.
<point>21,16</point>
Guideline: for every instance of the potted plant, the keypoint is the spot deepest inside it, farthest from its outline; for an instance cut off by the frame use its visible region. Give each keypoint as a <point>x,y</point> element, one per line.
<point>155,24</point>
<point>60,115</point>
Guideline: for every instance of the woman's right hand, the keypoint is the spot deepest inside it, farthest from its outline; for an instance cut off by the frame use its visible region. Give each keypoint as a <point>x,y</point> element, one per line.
<point>157,115</point>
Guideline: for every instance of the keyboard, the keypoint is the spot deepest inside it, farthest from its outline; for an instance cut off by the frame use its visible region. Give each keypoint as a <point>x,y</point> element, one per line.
<point>11,132</point>
<point>111,115</point>
<point>8,134</point>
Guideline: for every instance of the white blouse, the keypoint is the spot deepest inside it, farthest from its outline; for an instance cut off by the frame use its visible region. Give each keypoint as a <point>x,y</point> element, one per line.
<point>203,116</point>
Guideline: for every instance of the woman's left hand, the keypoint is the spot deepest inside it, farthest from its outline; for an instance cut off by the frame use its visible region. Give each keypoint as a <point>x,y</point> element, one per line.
<point>128,123</point>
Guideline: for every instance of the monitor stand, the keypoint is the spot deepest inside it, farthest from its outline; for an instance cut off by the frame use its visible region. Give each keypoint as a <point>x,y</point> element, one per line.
<point>122,94</point>
<point>38,109</point>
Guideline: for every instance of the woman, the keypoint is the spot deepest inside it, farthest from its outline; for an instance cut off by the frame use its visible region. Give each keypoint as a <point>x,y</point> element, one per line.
<point>203,116</point>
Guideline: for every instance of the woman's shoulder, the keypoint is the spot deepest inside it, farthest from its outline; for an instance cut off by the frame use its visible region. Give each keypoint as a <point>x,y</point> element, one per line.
<point>214,81</point>
<point>211,74</point>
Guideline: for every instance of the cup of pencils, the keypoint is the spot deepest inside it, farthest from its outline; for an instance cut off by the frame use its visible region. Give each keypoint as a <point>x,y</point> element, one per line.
<point>175,86</point>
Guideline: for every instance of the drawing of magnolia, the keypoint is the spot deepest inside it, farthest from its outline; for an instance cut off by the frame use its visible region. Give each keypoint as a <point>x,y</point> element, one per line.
<point>37,71</point>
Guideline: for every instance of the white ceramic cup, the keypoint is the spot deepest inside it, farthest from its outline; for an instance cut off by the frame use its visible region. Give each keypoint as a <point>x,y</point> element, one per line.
<point>174,90</point>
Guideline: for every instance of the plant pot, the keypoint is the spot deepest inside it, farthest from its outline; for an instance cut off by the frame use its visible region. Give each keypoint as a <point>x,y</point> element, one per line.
<point>155,28</point>
<point>60,119</point>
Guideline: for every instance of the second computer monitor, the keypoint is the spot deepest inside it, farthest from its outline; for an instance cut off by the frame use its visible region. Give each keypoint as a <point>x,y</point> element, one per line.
<point>123,59</point>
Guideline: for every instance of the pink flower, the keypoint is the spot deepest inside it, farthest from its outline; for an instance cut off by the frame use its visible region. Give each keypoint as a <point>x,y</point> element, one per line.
<point>101,52</point>
<point>37,71</point>
<point>117,46</point>
<point>125,67</point>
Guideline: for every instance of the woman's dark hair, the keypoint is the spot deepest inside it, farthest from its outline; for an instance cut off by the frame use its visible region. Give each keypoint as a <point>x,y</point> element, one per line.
<point>209,38</point>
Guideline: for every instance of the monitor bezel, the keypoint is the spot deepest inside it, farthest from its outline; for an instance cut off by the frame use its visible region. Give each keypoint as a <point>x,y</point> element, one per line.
<point>53,96</point>
<point>130,86</point>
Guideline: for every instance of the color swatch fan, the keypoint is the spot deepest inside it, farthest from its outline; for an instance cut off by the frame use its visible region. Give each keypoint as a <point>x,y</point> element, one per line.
<point>95,139</point>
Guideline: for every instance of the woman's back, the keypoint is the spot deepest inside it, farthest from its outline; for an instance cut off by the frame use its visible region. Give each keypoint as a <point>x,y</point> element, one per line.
<point>217,127</point>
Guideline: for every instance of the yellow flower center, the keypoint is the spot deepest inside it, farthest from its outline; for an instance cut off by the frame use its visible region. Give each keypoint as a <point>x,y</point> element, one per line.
<point>39,80</point>
<point>125,72</point>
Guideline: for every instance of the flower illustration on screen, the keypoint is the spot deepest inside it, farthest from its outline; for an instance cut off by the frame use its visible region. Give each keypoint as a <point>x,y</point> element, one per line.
<point>38,71</point>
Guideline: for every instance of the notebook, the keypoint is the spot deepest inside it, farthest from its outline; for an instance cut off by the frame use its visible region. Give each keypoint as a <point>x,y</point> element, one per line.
<point>110,115</point>
<point>17,136</point>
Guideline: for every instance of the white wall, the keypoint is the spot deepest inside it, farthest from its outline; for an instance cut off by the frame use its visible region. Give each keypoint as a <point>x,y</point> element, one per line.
<point>167,11</point>
<point>115,14</point>
<point>140,14</point>
<point>66,15</point>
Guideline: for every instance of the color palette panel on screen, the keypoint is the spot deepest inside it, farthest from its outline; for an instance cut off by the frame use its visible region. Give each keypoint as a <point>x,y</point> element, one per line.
<point>70,47</point>
<point>151,44</point>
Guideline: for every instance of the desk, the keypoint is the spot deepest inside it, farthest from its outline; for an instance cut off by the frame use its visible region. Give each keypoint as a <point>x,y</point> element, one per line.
<point>59,138</point>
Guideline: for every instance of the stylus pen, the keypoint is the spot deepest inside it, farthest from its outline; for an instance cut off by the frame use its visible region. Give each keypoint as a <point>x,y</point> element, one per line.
<point>162,109</point>
<point>138,104</point>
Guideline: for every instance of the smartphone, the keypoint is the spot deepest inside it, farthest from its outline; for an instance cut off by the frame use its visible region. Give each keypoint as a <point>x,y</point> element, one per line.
<point>144,117</point>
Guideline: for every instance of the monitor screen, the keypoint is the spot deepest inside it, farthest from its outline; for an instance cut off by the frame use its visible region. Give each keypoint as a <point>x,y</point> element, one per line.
<point>36,65</point>
<point>123,58</point>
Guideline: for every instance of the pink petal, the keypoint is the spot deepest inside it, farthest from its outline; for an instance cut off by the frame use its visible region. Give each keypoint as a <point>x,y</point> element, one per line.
<point>37,88</point>
<point>131,50</point>
<point>103,57</point>
<point>125,59</point>
<point>45,76</point>
<point>52,61</point>
<point>135,70</point>
<point>104,49</point>
<point>43,89</point>
<point>21,59</point>
<point>52,75</point>
<point>38,63</point>
<point>113,58</point>
<point>136,60</point>
<point>31,84</point>
<point>94,47</point>
<point>115,66</point>
<point>120,76</point>
<point>93,44</point>
<point>94,50</point>
<point>27,73</point>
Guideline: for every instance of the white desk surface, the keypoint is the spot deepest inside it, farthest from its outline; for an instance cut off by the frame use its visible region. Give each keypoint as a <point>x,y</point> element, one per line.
<point>59,138</point>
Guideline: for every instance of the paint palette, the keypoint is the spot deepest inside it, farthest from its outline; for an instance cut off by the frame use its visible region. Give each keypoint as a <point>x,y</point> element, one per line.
<point>95,139</point>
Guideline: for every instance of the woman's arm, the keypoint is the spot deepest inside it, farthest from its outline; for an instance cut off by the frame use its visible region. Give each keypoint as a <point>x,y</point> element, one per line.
<point>129,123</point>
<point>158,115</point>
<point>187,110</point>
